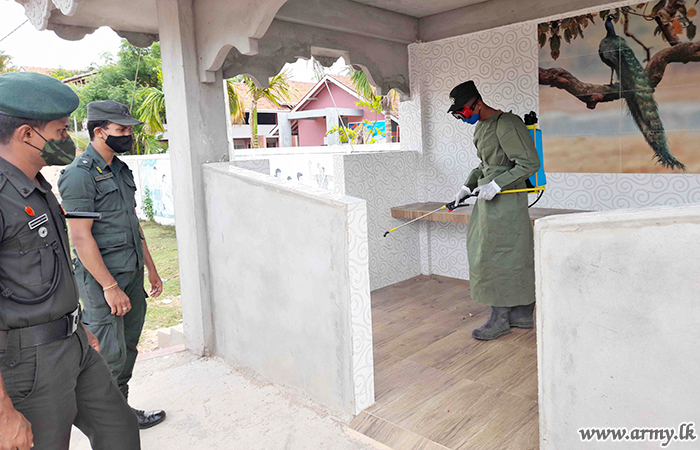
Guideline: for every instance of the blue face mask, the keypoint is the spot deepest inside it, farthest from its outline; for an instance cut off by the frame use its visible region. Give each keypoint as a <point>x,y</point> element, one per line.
<point>474,118</point>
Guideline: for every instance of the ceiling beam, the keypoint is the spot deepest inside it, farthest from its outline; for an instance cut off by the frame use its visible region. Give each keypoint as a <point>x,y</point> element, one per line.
<point>496,13</point>
<point>351,17</point>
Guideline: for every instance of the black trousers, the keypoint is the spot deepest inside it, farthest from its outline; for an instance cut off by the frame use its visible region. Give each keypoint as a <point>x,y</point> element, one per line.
<point>67,383</point>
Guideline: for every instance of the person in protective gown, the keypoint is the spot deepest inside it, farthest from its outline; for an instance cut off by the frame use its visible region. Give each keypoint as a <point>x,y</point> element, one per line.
<point>500,242</point>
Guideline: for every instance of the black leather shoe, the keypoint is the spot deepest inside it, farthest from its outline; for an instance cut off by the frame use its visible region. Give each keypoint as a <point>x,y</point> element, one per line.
<point>148,419</point>
<point>521,316</point>
<point>496,326</point>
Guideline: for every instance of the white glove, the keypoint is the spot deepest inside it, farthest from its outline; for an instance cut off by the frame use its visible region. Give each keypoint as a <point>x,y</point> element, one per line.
<point>488,191</point>
<point>463,193</point>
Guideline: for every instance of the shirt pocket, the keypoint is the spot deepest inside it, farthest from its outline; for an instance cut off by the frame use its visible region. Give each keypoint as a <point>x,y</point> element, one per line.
<point>114,250</point>
<point>29,259</point>
<point>108,197</point>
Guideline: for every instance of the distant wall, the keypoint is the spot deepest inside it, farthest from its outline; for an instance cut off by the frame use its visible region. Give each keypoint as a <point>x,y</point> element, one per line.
<point>617,323</point>
<point>290,284</point>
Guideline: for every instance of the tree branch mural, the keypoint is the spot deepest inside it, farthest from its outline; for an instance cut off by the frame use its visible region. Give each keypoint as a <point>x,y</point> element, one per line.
<point>635,83</point>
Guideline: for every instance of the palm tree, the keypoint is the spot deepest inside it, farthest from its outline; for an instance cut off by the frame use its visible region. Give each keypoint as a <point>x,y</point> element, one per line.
<point>235,103</point>
<point>279,90</point>
<point>6,63</point>
<point>364,88</point>
<point>152,110</point>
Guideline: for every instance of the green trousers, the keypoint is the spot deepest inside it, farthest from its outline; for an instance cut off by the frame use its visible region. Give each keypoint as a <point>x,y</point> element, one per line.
<point>118,336</point>
<point>67,383</point>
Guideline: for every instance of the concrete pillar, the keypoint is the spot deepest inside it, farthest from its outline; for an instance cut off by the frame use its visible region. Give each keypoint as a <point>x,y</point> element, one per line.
<point>197,124</point>
<point>285,129</point>
<point>332,120</point>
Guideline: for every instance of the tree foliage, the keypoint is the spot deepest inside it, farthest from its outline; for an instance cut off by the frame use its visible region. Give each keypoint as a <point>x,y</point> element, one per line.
<point>278,90</point>
<point>672,17</point>
<point>115,79</point>
<point>6,63</point>
<point>62,74</point>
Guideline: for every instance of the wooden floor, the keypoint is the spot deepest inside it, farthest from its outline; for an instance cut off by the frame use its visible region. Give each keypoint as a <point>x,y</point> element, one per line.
<point>437,387</point>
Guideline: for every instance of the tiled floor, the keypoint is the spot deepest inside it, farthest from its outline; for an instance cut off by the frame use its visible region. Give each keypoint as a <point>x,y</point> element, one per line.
<point>437,387</point>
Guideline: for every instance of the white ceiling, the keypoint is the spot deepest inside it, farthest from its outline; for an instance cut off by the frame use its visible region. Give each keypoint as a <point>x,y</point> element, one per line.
<point>419,8</point>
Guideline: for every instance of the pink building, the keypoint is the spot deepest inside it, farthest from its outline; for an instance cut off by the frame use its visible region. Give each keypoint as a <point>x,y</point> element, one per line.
<point>328,104</point>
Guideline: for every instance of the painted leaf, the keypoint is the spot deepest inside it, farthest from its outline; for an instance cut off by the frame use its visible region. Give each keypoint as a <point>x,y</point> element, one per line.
<point>567,36</point>
<point>658,6</point>
<point>677,27</point>
<point>690,31</point>
<point>574,30</point>
<point>580,31</point>
<point>692,12</point>
<point>604,14</point>
<point>590,17</point>
<point>554,46</point>
<point>657,30</point>
<point>542,39</point>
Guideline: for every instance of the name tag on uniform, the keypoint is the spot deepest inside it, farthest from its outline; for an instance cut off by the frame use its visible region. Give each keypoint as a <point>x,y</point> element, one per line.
<point>42,219</point>
<point>104,176</point>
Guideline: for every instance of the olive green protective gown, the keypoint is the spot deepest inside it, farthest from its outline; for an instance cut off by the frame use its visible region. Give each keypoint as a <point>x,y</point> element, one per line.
<point>500,240</point>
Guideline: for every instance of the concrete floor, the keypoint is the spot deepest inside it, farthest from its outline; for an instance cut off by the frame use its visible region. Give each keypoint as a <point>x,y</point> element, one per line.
<point>214,405</point>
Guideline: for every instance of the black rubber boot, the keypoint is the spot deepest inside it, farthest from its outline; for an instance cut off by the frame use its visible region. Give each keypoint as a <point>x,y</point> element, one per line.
<point>521,316</point>
<point>147,419</point>
<point>496,326</point>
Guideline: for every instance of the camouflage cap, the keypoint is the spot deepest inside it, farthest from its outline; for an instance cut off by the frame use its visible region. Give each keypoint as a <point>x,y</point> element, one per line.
<point>34,96</point>
<point>111,111</point>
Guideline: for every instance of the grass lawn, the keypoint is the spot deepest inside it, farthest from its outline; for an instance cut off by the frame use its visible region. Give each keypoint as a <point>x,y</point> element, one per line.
<point>166,310</point>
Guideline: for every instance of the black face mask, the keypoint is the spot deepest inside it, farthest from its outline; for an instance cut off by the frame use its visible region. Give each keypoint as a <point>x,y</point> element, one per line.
<point>120,144</point>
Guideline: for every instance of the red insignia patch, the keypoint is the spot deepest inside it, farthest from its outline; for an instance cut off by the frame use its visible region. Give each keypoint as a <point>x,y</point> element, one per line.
<point>29,211</point>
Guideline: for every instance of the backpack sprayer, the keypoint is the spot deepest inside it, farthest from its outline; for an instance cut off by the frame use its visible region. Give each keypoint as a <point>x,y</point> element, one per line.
<point>535,184</point>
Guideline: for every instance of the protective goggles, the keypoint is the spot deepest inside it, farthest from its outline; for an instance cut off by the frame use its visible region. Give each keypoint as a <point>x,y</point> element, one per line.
<point>463,114</point>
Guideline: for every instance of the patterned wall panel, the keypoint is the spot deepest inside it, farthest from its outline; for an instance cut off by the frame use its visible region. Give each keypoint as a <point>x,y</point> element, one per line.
<point>607,191</point>
<point>385,180</point>
<point>361,306</point>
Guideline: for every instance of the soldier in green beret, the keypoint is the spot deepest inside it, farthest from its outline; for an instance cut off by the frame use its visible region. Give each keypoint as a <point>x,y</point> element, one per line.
<point>52,375</point>
<point>111,252</point>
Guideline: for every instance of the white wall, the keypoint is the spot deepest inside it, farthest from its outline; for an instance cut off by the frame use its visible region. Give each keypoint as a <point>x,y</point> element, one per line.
<point>384,180</point>
<point>290,284</point>
<point>617,323</point>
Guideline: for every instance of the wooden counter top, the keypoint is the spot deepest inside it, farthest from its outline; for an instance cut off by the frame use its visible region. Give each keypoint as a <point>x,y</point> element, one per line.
<point>462,215</point>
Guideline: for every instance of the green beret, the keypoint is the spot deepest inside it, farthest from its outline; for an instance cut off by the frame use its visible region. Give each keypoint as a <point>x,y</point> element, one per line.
<point>34,96</point>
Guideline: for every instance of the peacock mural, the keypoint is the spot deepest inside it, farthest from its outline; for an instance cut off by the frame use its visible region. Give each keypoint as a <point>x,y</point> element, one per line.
<point>637,92</point>
<point>581,107</point>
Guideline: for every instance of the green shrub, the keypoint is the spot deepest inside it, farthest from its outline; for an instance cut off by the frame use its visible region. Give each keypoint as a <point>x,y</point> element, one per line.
<point>147,205</point>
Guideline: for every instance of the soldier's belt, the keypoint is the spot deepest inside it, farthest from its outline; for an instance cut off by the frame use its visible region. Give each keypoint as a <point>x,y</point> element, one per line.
<point>44,333</point>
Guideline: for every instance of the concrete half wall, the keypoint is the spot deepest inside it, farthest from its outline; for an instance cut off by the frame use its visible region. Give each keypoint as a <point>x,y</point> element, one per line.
<point>617,323</point>
<point>290,284</point>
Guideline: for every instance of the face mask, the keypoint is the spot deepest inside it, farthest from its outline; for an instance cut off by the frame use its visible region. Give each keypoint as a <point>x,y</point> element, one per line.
<point>466,115</point>
<point>57,152</point>
<point>474,118</point>
<point>120,144</point>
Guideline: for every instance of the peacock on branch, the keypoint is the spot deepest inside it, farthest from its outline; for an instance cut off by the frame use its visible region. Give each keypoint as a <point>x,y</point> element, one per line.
<point>637,92</point>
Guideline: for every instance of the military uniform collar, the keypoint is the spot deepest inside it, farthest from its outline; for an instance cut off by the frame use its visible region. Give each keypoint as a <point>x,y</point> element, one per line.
<point>90,151</point>
<point>21,182</point>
